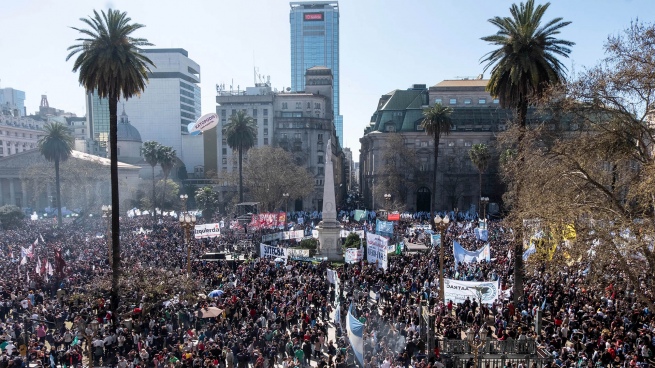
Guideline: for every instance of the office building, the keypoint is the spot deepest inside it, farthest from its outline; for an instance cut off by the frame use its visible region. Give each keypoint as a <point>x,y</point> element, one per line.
<point>315,42</point>
<point>12,102</point>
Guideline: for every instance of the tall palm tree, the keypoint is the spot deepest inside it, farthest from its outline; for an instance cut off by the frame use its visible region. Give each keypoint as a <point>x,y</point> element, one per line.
<point>480,156</point>
<point>524,65</point>
<point>167,158</point>
<point>109,63</point>
<point>56,146</point>
<point>436,122</point>
<point>149,151</point>
<point>241,135</point>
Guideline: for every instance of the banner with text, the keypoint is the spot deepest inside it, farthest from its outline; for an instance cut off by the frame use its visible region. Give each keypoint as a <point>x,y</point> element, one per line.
<point>436,240</point>
<point>354,255</point>
<point>458,291</point>
<point>268,251</point>
<point>467,256</point>
<point>268,220</point>
<point>207,231</point>
<point>376,250</point>
<point>384,227</point>
<point>344,233</point>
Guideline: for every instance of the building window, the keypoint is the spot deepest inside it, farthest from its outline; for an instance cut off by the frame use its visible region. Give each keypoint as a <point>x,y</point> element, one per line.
<point>266,141</point>
<point>224,151</point>
<point>265,112</point>
<point>254,113</point>
<point>265,131</point>
<point>320,171</point>
<point>467,101</point>
<point>265,122</point>
<point>317,105</point>
<point>467,144</point>
<point>298,105</point>
<point>496,101</point>
<point>234,112</point>
<point>223,113</point>
<point>309,105</point>
<point>320,137</point>
<point>224,161</point>
<point>296,136</point>
<point>284,106</point>
<point>437,100</point>
<point>320,160</point>
<point>390,128</point>
<point>453,101</point>
<point>451,144</point>
<point>482,101</point>
<point>424,143</point>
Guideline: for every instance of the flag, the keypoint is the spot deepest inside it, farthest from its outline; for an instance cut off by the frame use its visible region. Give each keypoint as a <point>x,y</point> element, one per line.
<point>23,256</point>
<point>38,266</point>
<point>337,315</point>
<point>44,267</point>
<point>48,268</point>
<point>543,305</point>
<point>60,264</point>
<point>530,251</point>
<point>36,242</point>
<point>355,330</point>
<point>331,275</point>
<point>42,240</point>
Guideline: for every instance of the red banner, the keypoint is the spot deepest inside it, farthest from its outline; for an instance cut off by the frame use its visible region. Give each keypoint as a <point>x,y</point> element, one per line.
<point>268,220</point>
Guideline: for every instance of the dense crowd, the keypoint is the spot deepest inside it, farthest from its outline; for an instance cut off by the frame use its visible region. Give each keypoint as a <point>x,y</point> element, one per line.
<point>267,314</point>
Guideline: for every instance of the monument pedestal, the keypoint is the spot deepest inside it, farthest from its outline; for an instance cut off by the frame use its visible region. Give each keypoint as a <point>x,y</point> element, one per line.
<point>329,238</point>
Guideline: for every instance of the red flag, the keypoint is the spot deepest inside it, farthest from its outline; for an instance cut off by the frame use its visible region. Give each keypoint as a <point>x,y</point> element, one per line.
<point>60,264</point>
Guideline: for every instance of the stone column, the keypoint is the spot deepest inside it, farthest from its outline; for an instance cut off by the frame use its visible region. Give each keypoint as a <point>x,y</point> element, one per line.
<point>2,197</point>
<point>12,193</point>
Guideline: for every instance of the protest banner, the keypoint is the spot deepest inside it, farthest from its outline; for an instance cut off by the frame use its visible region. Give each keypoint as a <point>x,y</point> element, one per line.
<point>376,250</point>
<point>468,256</point>
<point>458,291</point>
<point>354,255</point>
<point>268,251</point>
<point>207,231</point>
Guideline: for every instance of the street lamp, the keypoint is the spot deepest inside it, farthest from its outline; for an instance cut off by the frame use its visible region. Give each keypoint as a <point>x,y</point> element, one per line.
<point>183,198</point>
<point>187,222</point>
<point>483,203</point>
<point>106,213</point>
<point>476,342</point>
<point>286,201</point>
<point>441,224</point>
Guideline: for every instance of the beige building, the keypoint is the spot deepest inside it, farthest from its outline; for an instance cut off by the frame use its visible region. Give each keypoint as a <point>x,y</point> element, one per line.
<point>18,134</point>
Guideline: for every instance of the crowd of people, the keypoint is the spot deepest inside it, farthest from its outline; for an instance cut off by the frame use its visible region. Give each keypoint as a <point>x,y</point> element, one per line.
<point>265,314</point>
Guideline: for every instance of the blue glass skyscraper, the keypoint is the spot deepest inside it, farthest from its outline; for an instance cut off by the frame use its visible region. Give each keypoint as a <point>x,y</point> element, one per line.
<point>315,42</point>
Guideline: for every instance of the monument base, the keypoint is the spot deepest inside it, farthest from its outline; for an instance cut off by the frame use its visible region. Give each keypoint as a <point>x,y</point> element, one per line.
<point>330,247</point>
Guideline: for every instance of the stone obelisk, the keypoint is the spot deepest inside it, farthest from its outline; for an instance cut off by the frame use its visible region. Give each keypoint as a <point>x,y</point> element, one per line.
<point>329,229</point>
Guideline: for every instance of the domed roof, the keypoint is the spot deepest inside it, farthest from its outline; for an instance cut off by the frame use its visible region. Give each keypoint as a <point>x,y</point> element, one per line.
<point>126,131</point>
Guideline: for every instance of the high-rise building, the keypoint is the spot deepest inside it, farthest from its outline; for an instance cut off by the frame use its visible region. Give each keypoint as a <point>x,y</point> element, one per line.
<point>12,102</point>
<point>162,112</point>
<point>315,42</point>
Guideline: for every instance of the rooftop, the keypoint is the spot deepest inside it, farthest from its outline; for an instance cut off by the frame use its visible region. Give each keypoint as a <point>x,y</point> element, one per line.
<point>462,83</point>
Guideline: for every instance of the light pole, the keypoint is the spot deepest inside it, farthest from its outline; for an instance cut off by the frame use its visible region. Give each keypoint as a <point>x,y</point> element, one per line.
<point>476,342</point>
<point>441,224</point>
<point>106,213</point>
<point>183,198</point>
<point>187,222</point>
<point>286,201</point>
<point>483,203</point>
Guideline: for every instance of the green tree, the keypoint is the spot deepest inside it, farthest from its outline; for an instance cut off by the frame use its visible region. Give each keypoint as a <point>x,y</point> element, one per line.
<point>109,63</point>
<point>524,67</point>
<point>241,135</point>
<point>150,153</point>
<point>352,241</point>
<point>436,121</point>
<point>10,216</point>
<point>310,244</point>
<point>480,156</point>
<point>207,200</point>
<point>56,146</point>
<point>167,158</point>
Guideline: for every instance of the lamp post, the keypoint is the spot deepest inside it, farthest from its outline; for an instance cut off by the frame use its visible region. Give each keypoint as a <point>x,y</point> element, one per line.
<point>441,224</point>
<point>286,201</point>
<point>483,203</point>
<point>183,198</point>
<point>476,342</point>
<point>187,222</point>
<point>106,213</point>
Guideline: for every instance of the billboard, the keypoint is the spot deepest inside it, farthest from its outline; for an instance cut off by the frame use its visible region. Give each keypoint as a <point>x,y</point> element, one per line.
<point>313,16</point>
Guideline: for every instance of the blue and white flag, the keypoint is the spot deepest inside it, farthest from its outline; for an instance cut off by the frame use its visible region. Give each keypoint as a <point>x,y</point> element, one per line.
<point>481,234</point>
<point>466,256</point>
<point>355,331</point>
<point>530,251</point>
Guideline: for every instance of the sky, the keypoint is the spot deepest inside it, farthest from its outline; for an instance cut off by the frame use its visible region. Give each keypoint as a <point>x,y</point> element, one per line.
<point>385,44</point>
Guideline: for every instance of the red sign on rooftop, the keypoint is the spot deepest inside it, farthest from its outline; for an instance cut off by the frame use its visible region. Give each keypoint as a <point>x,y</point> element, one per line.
<point>313,16</point>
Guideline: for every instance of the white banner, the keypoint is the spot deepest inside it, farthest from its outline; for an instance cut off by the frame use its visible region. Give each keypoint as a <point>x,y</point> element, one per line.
<point>207,231</point>
<point>354,255</point>
<point>270,251</point>
<point>344,233</point>
<point>467,256</point>
<point>458,291</point>
<point>315,234</point>
<point>331,276</point>
<point>296,234</point>
<point>295,252</point>
<point>376,250</point>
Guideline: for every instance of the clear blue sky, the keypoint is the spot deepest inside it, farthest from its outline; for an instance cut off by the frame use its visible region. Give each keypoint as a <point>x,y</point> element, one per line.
<point>385,44</point>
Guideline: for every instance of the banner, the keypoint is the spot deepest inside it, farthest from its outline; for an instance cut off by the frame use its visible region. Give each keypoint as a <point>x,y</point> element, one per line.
<point>207,231</point>
<point>268,220</point>
<point>331,276</point>
<point>360,215</point>
<point>435,240</point>
<point>393,216</point>
<point>530,251</point>
<point>266,251</point>
<point>376,250</point>
<point>295,234</point>
<point>296,252</point>
<point>355,330</point>
<point>354,255</point>
<point>345,233</point>
<point>466,256</point>
<point>481,234</point>
<point>458,291</point>
<point>315,234</point>
<point>384,227</point>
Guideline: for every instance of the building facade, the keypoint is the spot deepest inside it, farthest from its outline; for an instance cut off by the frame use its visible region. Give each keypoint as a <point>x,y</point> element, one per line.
<point>163,111</point>
<point>476,118</point>
<point>315,42</point>
<point>301,123</point>
<point>12,102</point>
<point>18,134</point>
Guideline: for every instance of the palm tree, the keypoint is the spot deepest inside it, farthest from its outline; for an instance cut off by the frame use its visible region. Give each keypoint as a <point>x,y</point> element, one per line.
<point>167,158</point>
<point>149,151</point>
<point>109,63</point>
<point>525,65</point>
<point>436,121</point>
<point>241,134</point>
<point>56,146</point>
<point>480,156</point>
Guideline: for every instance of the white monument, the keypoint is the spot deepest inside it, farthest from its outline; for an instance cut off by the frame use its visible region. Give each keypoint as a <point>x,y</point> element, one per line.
<point>329,229</point>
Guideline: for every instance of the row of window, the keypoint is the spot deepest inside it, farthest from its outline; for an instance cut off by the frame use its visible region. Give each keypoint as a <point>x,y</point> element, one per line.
<point>466,101</point>
<point>8,133</point>
<point>317,105</point>
<point>253,114</point>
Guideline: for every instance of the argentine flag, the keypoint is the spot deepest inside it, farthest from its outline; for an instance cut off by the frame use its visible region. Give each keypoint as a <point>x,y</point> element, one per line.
<point>355,331</point>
